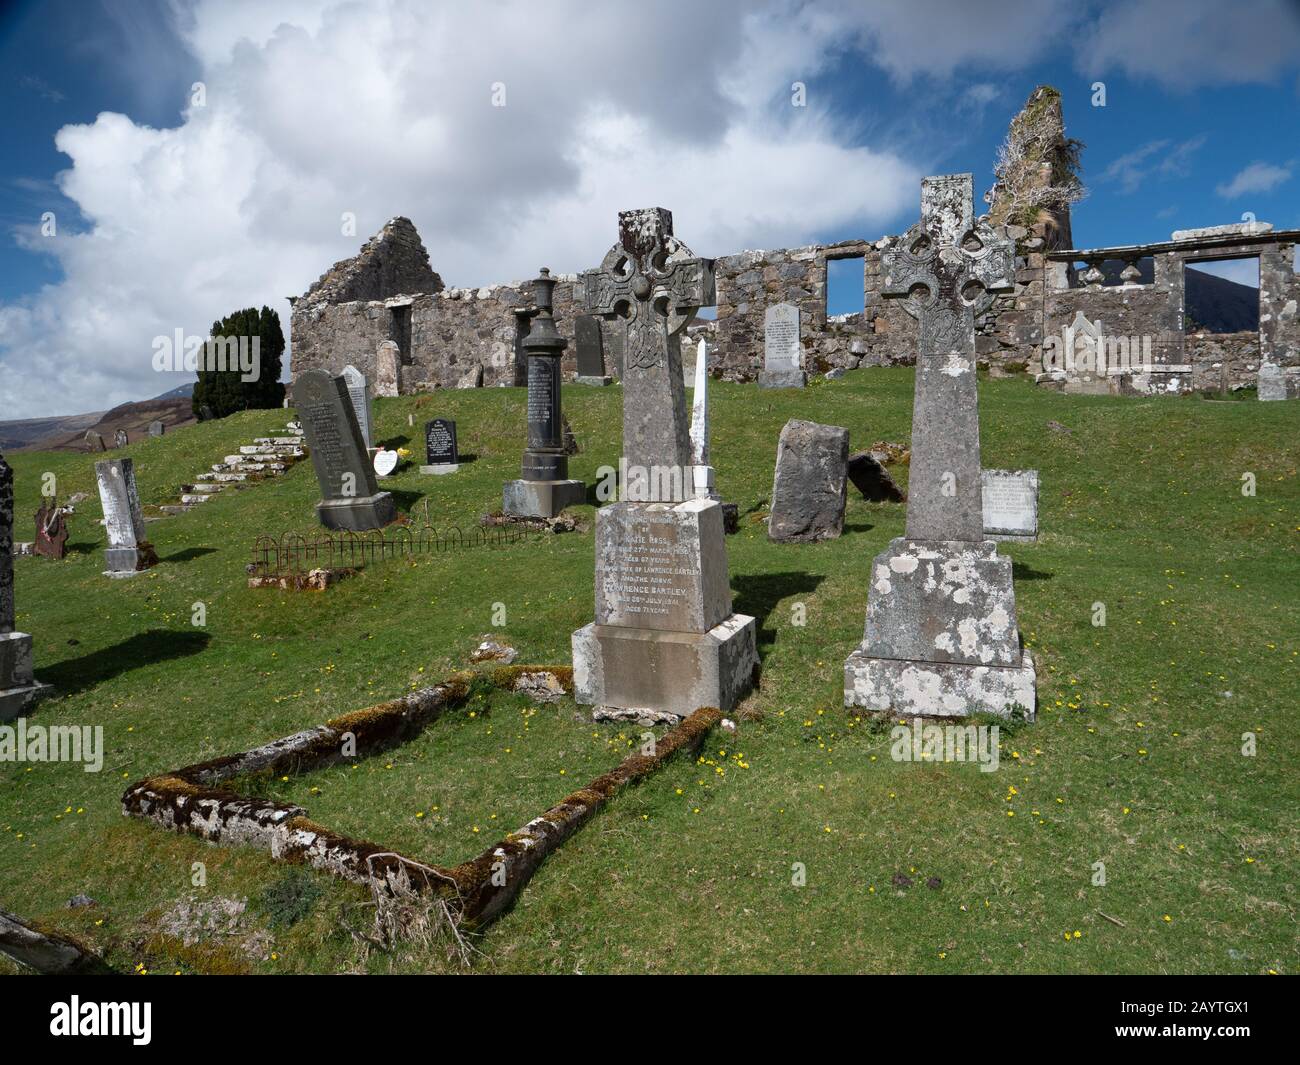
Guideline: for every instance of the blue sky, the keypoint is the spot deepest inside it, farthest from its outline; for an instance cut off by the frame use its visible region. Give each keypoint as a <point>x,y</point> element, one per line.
<point>171,214</point>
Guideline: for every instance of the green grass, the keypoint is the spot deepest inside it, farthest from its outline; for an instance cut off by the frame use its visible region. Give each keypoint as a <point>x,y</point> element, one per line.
<point>1141,509</point>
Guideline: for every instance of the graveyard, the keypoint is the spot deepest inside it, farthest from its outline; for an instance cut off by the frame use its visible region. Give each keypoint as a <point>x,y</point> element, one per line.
<point>794,843</point>
<point>751,488</point>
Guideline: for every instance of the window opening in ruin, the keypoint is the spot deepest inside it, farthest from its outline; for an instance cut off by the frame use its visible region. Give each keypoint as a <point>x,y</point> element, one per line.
<point>845,286</point>
<point>1221,295</point>
<point>1112,271</point>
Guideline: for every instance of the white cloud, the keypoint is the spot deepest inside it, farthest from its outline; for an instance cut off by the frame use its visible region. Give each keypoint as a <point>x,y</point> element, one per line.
<point>1155,160</point>
<point>382,110</point>
<point>1182,44</point>
<point>1257,177</point>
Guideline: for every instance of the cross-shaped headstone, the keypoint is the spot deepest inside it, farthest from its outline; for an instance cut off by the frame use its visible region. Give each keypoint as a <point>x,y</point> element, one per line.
<point>947,267</point>
<point>654,283</point>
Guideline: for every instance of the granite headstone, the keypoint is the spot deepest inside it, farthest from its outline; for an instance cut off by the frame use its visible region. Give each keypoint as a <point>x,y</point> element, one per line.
<point>350,496</point>
<point>665,639</point>
<point>941,633</point>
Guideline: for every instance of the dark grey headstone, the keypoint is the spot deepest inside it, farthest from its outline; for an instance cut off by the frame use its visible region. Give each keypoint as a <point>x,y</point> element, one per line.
<point>18,688</point>
<point>591,349</point>
<point>440,442</point>
<point>870,477</point>
<point>350,496</point>
<point>810,485</point>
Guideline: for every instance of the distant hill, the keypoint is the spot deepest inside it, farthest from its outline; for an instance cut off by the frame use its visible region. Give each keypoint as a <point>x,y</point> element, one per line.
<point>67,432</point>
<point>17,435</point>
<point>1212,303</point>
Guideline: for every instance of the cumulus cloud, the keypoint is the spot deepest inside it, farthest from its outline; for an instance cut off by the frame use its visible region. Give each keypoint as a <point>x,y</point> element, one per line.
<point>1182,44</point>
<point>1257,177</point>
<point>314,110</point>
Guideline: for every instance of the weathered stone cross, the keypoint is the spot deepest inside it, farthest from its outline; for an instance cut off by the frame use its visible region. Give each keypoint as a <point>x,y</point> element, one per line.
<point>655,284</point>
<point>947,267</point>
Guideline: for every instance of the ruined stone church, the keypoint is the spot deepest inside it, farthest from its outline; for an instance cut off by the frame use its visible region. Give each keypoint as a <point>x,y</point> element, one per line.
<point>1107,320</point>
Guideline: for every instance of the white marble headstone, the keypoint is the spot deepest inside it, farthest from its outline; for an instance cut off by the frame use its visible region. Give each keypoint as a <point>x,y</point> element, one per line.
<point>781,347</point>
<point>1010,504</point>
<point>359,393</point>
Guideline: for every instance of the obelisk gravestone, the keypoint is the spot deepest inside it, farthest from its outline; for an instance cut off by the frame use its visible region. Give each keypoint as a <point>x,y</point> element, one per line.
<point>545,488</point>
<point>665,639</point>
<point>941,634</point>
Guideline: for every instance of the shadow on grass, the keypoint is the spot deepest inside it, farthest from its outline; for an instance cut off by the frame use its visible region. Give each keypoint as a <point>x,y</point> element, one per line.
<point>77,675</point>
<point>404,499</point>
<point>189,553</point>
<point>758,593</point>
<point>1021,571</point>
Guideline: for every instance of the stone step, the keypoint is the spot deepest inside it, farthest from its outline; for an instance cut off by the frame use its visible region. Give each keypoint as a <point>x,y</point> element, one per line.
<point>222,477</point>
<point>176,508</point>
<point>207,487</point>
<point>285,441</point>
<point>196,498</point>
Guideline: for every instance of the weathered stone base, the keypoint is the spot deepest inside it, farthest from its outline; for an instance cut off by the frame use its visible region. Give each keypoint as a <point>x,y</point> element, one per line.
<point>441,467</point>
<point>128,561</point>
<point>938,689</point>
<point>674,672</point>
<point>357,515</point>
<point>584,379</point>
<point>541,499</point>
<point>18,688</point>
<point>782,379</point>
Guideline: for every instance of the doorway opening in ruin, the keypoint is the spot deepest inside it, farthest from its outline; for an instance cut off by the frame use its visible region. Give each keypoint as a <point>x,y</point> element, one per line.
<point>1221,295</point>
<point>846,286</point>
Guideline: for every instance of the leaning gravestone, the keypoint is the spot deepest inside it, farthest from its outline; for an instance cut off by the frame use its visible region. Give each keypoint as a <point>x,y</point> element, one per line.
<point>1010,504</point>
<point>941,634</point>
<point>440,452</point>
<point>18,688</point>
<point>350,496</point>
<point>358,389</point>
<point>128,551</point>
<point>94,441</point>
<point>120,438</point>
<point>545,488</point>
<point>810,484</point>
<point>665,639</point>
<point>157,428</point>
<point>782,348</point>
<point>591,351</point>
<point>869,476</point>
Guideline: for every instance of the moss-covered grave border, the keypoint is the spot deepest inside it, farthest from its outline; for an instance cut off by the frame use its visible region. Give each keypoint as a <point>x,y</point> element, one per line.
<point>193,800</point>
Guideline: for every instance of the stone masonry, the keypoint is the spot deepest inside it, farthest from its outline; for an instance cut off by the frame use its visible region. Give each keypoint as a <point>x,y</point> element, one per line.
<point>465,337</point>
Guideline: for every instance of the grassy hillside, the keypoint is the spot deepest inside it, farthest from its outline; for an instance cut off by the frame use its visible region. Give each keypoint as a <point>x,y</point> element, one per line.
<point>1135,761</point>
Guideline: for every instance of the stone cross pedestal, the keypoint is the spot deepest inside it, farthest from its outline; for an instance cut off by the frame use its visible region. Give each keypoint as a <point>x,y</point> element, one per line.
<point>665,638</point>
<point>545,488</point>
<point>350,495</point>
<point>941,634</point>
<point>128,551</point>
<point>18,688</point>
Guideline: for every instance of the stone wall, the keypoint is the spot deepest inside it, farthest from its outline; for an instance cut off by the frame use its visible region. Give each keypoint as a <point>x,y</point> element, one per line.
<point>1151,316</point>
<point>448,339</point>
